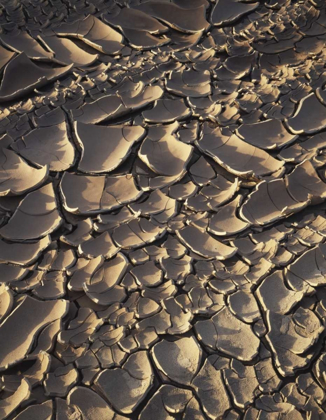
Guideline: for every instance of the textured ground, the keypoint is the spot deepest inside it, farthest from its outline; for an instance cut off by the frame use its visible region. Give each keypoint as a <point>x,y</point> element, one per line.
<point>162,216</point>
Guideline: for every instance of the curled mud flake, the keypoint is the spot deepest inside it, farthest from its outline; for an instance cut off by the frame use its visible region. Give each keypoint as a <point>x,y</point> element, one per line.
<point>66,52</point>
<point>269,134</point>
<point>90,405</point>
<point>11,403</point>
<point>21,76</point>
<point>291,338</point>
<point>19,328</point>
<point>47,146</point>
<point>225,12</point>
<point>190,20</point>
<point>235,155</point>
<point>309,117</point>
<point>166,156</point>
<point>126,387</point>
<point>42,411</point>
<point>105,148</point>
<point>36,216</point>
<point>225,332</point>
<point>226,221</point>
<point>184,365</point>
<point>97,194</point>
<point>23,253</point>
<point>21,41</point>
<point>92,31</point>
<point>17,176</point>
<point>202,243</point>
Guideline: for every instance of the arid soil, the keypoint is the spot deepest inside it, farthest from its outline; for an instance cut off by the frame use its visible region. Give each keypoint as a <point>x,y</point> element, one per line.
<point>162,209</point>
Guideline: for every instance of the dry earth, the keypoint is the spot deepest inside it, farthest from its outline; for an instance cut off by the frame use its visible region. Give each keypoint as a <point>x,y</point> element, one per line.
<point>162,215</point>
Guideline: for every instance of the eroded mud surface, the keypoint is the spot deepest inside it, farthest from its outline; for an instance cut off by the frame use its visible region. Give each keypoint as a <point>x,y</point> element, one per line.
<point>162,209</point>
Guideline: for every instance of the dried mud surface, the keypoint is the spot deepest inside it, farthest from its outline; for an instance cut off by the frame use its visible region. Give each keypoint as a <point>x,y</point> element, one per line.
<point>162,209</point>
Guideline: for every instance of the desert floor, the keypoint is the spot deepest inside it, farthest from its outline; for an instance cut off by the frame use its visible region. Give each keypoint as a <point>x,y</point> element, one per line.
<point>162,209</point>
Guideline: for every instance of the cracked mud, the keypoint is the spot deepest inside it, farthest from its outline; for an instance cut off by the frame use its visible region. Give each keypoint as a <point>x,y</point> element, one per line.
<point>162,209</point>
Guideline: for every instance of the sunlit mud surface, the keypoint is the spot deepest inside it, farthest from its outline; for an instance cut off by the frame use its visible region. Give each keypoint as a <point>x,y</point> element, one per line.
<point>162,216</point>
